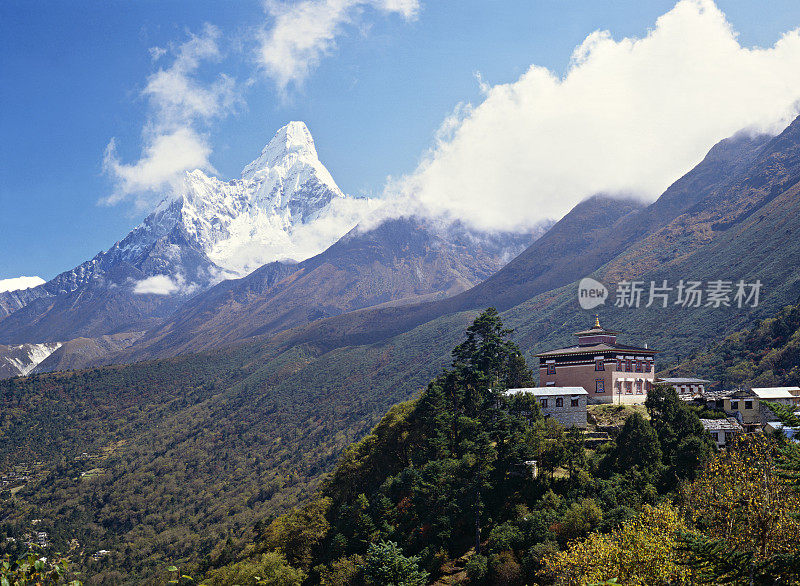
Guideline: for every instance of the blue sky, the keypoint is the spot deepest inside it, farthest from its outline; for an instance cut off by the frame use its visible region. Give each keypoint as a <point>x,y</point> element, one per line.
<point>73,74</point>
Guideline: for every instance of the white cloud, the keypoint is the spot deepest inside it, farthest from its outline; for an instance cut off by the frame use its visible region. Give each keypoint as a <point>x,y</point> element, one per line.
<point>163,161</point>
<point>252,244</point>
<point>180,106</point>
<point>629,116</point>
<point>156,285</point>
<point>19,283</point>
<point>157,53</point>
<point>304,32</point>
<point>164,285</point>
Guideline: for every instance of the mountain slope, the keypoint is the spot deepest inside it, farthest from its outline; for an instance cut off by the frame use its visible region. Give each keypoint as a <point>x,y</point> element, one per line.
<point>398,262</point>
<point>590,236</point>
<point>24,358</point>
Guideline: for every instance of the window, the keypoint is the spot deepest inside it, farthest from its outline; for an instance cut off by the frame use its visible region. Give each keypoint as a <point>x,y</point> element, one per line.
<point>638,387</point>
<point>748,404</point>
<point>734,405</point>
<point>551,369</point>
<point>599,385</point>
<point>628,366</point>
<point>619,364</point>
<point>715,435</point>
<point>628,387</point>
<point>559,402</point>
<point>543,403</point>
<point>576,402</point>
<point>638,366</point>
<point>598,364</point>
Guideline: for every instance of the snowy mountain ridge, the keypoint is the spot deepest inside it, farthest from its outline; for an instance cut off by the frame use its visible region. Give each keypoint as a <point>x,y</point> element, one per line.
<point>285,206</point>
<point>21,359</point>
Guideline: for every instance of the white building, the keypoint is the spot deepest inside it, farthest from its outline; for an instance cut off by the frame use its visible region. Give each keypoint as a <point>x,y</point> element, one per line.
<point>789,396</point>
<point>694,387</point>
<point>567,405</point>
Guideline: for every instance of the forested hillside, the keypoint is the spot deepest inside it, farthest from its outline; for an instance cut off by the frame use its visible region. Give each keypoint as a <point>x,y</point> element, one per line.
<point>767,354</point>
<point>164,461</point>
<point>442,491</point>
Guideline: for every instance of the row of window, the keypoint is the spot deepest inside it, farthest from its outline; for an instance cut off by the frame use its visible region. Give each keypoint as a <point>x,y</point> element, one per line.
<point>560,402</point>
<point>622,366</point>
<point>629,387</point>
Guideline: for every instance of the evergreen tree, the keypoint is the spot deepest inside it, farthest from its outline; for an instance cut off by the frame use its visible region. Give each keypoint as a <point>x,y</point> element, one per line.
<point>637,445</point>
<point>675,423</point>
<point>387,566</point>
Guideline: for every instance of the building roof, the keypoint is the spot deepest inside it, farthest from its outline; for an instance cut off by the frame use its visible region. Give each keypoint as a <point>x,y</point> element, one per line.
<point>727,424</point>
<point>683,381</point>
<point>596,330</point>
<point>548,391</point>
<point>602,347</point>
<point>729,394</point>
<point>791,433</point>
<point>776,392</point>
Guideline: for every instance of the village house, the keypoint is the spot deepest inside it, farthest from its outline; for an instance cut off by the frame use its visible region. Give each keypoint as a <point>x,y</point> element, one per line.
<point>567,405</point>
<point>691,387</point>
<point>742,405</point>
<point>609,372</point>
<point>791,433</point>
<point>789,396</point>
<point>722,430</point>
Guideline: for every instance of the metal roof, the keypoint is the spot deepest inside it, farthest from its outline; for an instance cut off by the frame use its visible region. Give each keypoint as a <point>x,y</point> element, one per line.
<point>683,381</point>
<point>776,392</point>
<point>548,391</point>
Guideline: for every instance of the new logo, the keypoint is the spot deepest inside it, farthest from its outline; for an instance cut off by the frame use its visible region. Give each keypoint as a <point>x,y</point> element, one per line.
<point>591,293</point>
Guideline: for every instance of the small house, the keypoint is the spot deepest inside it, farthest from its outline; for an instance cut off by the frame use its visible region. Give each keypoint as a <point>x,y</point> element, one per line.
<point>722,430</point>
<point>691,387</point>
<point>789,396</point>
<point>567,405</point>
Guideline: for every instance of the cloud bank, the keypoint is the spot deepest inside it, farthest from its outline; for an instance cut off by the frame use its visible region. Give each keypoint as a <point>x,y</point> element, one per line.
<point>629,116</point>
<point>304,32</point>
<point>18,283</point>
<point>180,105</point>
<point>164,285</point>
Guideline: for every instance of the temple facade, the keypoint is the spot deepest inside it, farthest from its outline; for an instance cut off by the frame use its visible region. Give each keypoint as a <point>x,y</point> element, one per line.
<point>610,372</point>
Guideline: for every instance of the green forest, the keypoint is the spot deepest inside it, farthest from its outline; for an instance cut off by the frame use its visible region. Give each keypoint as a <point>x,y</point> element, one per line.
<point>442,490</point>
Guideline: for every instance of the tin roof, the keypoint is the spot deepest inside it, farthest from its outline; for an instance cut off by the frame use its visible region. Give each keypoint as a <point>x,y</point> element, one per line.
<point>776,392</point>
<point>683,381</point>
<point>548,391</point>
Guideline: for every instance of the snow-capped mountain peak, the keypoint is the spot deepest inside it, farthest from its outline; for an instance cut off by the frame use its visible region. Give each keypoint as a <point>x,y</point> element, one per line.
<point>285,206</point>
<point>292,139</point>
